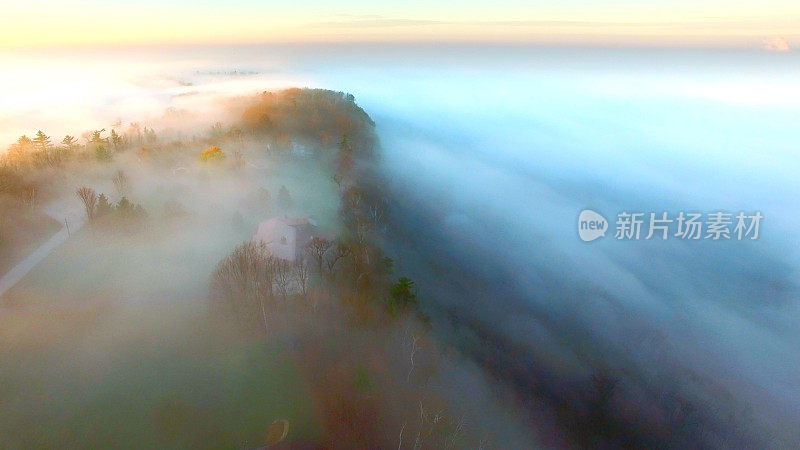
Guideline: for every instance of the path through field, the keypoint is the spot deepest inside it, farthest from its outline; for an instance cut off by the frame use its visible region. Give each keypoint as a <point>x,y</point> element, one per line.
<point>64,210</point>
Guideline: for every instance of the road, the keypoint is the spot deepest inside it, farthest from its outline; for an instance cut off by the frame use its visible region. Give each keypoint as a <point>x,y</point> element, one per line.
<point>64,209</point>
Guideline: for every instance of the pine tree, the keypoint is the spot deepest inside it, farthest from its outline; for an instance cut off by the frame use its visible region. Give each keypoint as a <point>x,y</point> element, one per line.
<point>124,208</point>
<point>103,206</point>
<point>41,141</point>
<point>69,141</point>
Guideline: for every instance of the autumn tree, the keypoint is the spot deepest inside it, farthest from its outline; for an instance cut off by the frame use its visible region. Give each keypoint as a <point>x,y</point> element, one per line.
<point>18,154</point>
<point>212,154</point>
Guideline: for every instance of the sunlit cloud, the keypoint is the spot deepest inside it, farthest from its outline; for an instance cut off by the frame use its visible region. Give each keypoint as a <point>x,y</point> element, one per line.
<point>776,44</point>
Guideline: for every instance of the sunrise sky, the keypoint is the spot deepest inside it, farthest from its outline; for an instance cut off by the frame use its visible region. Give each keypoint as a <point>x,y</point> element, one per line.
<point>656,22</point>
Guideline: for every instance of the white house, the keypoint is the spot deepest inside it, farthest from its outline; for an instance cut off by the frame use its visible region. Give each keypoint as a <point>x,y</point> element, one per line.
<point>285,237</point>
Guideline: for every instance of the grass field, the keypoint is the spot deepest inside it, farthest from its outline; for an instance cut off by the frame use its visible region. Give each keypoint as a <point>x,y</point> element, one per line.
<point>108,343</point>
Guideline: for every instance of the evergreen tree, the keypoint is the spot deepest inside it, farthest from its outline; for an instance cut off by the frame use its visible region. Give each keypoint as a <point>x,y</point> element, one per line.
<point>103,206</point>
<point>41,141</point>
<point>124,208</point>
<point>24,141</point>
<point>69,141</point>
<point>404,294</point>
<point>97,138</point>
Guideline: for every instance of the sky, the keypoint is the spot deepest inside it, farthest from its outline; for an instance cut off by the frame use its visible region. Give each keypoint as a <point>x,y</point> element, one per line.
<point>736,23</point>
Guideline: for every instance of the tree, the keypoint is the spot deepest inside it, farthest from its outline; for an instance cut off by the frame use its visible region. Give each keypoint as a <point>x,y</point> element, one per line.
<point>41,141</point>
<point>301,274</point>
<point>345,158</point>
<point>103,207</point>
<point>242,284</point>
<point>89,198</point>
<point>19,153</point>
<point>125,208</point>
<point>24,141</point>
<point>69,141</point>
<point>116,140</point>
<point>340,251</point>
<point>212,154</point>
<point>284,199</point>
<point>102,154</point>
<point>120,181</point>
<point>317,248</point>
<point>404,293</point>
<point>283,277</point>
<point>96,137</point>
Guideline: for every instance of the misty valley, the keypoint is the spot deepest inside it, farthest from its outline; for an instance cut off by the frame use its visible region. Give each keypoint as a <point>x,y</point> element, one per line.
<point>234,265</point>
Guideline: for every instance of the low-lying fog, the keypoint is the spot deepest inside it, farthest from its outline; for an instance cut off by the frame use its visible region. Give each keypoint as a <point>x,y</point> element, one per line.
<point>491,152</point>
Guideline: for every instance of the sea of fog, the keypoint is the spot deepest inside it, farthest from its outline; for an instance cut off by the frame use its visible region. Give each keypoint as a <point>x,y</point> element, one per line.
<point>491,152</point>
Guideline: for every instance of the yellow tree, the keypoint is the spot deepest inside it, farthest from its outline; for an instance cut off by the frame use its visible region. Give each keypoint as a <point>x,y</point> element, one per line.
<point>212,154</point>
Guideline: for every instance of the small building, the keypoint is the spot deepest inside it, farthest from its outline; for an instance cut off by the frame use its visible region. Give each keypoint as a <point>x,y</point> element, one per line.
<point>286,237</point>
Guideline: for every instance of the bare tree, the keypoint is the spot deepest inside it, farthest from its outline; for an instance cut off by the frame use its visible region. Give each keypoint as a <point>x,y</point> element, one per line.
<point>283,277</point>
<point>339,252</point>
<point>243,282</point>
<point>301,274</point>
<point>89,198</point>
<point>121,183</point>
<point>317,249</point>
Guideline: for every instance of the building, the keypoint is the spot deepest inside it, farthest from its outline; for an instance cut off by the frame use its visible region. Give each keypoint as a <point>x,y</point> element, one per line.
<point>285,237</point>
